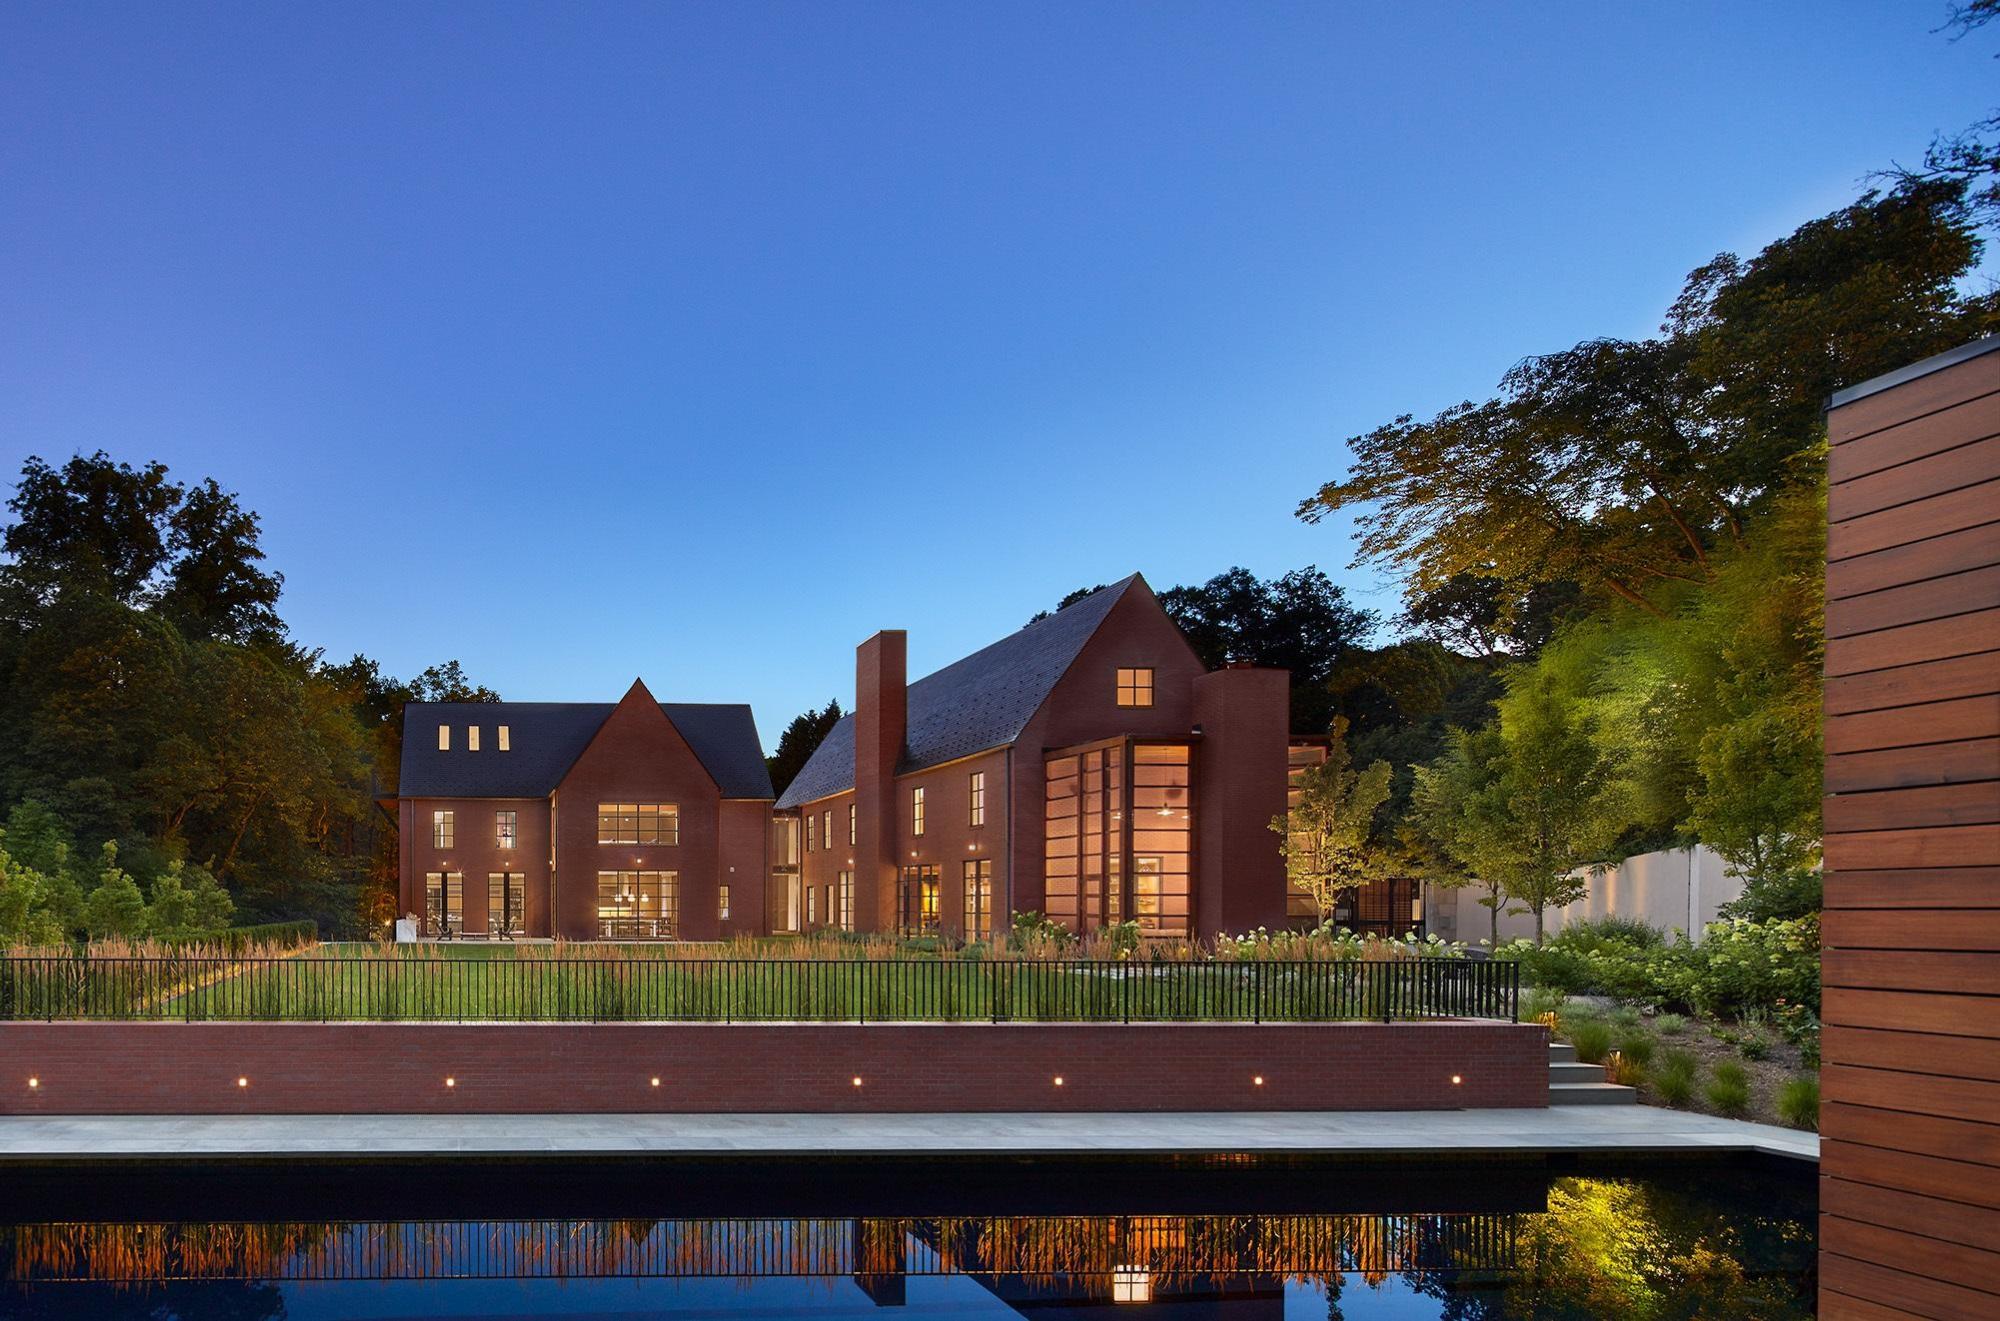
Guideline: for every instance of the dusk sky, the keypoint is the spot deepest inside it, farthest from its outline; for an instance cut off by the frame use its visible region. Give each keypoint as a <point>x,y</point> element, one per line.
<point>699,341</point>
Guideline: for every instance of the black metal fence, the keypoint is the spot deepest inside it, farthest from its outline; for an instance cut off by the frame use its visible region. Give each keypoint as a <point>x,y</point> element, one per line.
<point>527,988</point>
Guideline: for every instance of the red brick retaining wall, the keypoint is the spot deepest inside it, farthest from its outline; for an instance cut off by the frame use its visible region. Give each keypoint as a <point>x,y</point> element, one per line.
<point>503,1068</point>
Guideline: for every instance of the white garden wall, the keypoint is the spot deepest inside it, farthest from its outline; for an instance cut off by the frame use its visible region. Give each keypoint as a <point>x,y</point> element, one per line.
<point>1674,889</point>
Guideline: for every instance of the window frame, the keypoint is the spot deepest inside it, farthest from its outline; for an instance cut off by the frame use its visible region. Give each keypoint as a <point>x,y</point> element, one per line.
<point>506,828</point>
<point>664,819</point>
<point>444,828</point>
<point>1135,685</point>
<point>975,799</point>
<point>916,810</point>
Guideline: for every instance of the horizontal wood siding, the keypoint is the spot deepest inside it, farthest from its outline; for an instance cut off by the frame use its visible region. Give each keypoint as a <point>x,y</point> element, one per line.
<point>1910,1161</point>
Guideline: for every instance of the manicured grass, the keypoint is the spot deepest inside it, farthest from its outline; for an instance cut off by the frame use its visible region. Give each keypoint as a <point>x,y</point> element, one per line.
<point>479,982</point>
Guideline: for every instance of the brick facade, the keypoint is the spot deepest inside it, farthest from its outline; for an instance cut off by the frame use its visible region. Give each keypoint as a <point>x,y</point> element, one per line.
<point>388,1068</point>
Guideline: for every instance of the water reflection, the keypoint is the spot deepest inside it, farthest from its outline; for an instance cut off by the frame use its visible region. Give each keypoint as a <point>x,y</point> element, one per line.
<point>1668,1244</point>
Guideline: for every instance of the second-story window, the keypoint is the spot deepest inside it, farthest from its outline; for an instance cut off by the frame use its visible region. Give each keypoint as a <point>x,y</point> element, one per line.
<point>1135,687</point>
<point>917,810</point>
<point>851,815</point>
<point>812,832</point>
<point>976,797</point>
<point>638,823</point>
<point>505,833</point>
<point>441,830</point>
<point>472,738</point>
<point>826,826</point>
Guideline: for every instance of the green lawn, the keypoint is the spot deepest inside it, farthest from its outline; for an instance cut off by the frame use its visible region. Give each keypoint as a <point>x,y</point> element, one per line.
<point>475,982</point>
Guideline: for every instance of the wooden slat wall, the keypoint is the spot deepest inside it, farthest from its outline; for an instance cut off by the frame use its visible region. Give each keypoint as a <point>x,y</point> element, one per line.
<point>1910,1159</point>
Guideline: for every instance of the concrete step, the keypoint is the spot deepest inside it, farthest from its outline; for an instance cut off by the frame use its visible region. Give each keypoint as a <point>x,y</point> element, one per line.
<point>1591,1093</point>
<point>1570,1071</point>
<point>1561,1052</point>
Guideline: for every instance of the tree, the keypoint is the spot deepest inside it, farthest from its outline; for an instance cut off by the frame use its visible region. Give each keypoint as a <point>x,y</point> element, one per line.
<point>186,902</point>
<point>798,743</point>
<point>1300,622</point>
<point>1069,599</point>
<point>1460,809</point>
<point>1326,835</point>
<point>29,904</point>
<point>1559,799</point>
<point>1525,805</point>
<point>1622,465</point>
<point>114,907</point>
<point>214,588</point>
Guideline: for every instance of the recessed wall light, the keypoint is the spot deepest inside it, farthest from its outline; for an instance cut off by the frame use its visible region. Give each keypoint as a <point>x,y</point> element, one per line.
<point>451,1082</point>
<point>1456,1080</point>
<point>857,1080</point>
<point>656,1082</point>
<point>1257,1081</point>
<point>242,1082</point>
<point>1059,1080</point>
<point>33,1083</point>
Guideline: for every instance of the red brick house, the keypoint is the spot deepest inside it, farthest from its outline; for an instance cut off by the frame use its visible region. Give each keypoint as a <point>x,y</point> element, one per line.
<point>640,820</point>
<point>1087,766</point>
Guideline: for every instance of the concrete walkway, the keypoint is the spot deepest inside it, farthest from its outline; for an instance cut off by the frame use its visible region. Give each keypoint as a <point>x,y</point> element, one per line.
<point>1630,1129</point>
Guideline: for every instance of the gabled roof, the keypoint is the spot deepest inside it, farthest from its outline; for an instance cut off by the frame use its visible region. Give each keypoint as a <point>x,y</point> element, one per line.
<point>971,705</point>
<point>546,738</point>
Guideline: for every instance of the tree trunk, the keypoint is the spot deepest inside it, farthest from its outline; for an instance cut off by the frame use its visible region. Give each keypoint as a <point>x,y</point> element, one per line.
<point>1538,926</point>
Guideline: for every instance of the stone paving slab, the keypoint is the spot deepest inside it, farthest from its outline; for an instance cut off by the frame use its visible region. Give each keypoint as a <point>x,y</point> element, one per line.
<point>1635,1129</point>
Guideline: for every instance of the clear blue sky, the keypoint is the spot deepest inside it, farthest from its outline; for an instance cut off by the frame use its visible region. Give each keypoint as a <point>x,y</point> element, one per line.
<point>699,341</point>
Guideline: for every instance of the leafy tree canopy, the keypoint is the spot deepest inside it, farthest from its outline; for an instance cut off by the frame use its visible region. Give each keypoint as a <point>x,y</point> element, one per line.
<point>799,741</point>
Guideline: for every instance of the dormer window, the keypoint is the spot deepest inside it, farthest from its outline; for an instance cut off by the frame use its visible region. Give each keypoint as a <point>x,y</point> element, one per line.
<point>472,738</point>
<point>1135,687</point>
<point>444,738</point>
<point>503,738</point>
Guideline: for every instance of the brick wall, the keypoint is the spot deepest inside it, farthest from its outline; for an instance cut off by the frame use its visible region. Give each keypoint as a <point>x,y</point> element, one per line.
<point>384,1068</point>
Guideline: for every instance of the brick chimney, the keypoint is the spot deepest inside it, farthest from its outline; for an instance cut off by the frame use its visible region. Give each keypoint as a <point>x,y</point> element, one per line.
<point>881,723</point>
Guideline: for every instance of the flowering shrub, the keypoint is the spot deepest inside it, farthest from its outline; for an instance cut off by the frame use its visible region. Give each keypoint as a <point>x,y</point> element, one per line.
<point>1768,968</point>
<point>1327,943</point>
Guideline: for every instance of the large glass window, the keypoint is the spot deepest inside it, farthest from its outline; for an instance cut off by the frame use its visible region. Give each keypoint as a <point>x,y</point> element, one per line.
<point>1300,905</point>
<point>638,823</point>
<point>444,903</point>
<point>976,799</point>
<point>506,903</point>
<point>843,916</point>
<point>1115,837</point>
<point>638,905</point>
<point>1135,687</point>
<point>1161,826</point>
<point>506,833</point>
<point>979,899</point>
<point>917,810</point>
<point>917,901</point>
<point>441,828</point>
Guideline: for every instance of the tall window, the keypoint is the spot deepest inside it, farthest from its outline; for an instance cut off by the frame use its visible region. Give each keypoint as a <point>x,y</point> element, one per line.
<point>441,829</point>
<point>917,810</point>
<point>503,738</point>
<point>977,798</point>
<point>505,831</point>
<point>1161,827</point>
<point>472,738</point>
<point>917,901</point>
<point>843,913</point>
<point>506,901</point>
<point>812,832</point>
<point>978,899</point>
<point>444,903</point>
<point>826,827</point>
<point>851,815</point>
<point>444,738</point>
<point>722,903</point>
<point>812,907</point>
<point>638,905</point>
<point>1135,687</point>
<point>638,823</point>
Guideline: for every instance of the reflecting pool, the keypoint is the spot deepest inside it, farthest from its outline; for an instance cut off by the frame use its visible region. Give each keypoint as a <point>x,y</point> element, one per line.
<point>1199,1237</point>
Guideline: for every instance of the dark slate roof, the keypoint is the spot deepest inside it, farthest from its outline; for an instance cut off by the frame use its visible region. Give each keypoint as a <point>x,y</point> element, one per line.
<point>546,738</point>
<point>981,702</point>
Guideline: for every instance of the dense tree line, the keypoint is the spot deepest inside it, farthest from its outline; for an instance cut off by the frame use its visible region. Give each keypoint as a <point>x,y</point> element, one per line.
<point>159,728</point>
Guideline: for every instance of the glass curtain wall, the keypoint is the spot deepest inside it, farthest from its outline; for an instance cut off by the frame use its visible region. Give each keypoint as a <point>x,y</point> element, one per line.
<point>1118,828</point>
